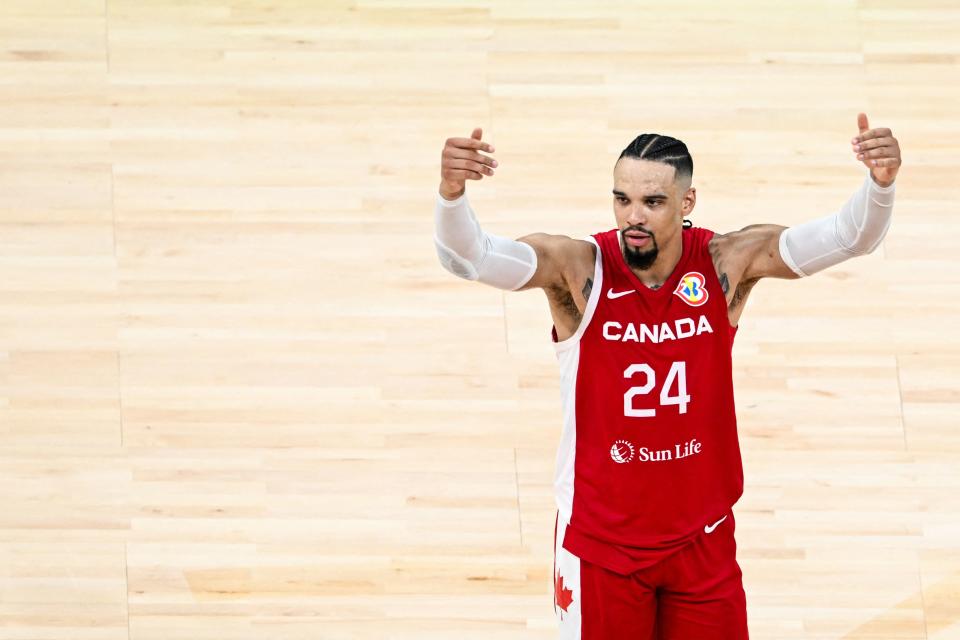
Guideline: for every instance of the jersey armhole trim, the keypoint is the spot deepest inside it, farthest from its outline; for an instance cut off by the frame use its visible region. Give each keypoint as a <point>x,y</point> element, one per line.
<point>592,301</point>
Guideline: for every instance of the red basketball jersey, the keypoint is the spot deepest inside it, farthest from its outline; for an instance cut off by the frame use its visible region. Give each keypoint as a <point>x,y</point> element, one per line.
<point>649,453</point>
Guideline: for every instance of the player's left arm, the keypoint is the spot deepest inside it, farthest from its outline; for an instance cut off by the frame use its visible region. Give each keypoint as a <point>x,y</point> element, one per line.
<point>775,251</point>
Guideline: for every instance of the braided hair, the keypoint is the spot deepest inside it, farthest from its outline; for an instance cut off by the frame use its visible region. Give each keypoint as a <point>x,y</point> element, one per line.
<point>657,148</point>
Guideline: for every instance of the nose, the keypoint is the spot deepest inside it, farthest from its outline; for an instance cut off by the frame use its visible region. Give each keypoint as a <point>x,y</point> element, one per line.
<point>637,217</point>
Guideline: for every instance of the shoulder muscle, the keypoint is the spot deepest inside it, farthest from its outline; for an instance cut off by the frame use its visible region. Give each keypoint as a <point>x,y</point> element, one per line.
<point>557,257</point>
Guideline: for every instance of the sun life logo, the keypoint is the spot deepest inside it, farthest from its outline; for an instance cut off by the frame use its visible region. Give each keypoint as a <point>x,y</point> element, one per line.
<point>692,288</point>
<point>621,451</point>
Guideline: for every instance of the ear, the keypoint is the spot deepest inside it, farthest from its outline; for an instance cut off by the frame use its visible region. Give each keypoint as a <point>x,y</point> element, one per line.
<point>689,200</point>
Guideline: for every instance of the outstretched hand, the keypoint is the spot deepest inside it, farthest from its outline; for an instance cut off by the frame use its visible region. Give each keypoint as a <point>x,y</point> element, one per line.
<point>461,160</point>
<point>878,150</point>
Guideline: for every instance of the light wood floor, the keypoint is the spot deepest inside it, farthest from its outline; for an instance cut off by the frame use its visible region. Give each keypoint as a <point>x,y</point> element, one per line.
<point>240,399</point>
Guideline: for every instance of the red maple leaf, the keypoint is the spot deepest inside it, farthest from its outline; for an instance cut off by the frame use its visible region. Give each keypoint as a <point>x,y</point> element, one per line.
<point>561,594</point>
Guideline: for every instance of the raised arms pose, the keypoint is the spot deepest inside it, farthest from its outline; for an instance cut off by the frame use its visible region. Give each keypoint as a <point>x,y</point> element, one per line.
<point>650,202</point>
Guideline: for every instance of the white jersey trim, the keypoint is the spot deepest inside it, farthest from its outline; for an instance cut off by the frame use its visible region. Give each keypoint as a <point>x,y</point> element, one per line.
<point>565,463</point>
<point>568,356</point>
<point>564,345</point>
<point>567,566</point>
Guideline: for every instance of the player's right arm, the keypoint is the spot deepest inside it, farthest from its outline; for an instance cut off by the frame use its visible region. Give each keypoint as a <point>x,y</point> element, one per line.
<point>467,251</point>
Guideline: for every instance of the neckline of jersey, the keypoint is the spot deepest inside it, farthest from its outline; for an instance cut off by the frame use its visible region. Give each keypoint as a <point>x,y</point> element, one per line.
<point>675,275</point>
<point>671,281</point>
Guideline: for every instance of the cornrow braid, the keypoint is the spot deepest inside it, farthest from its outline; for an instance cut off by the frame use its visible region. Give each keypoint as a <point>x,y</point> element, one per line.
<point>659,148</point>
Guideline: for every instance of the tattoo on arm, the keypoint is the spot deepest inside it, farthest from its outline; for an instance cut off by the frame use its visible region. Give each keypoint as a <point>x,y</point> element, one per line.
<point>587,288</point>
<point>724,283</point>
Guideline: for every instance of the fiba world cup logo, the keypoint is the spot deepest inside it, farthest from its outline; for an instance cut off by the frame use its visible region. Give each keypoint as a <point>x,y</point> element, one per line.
<point>621,451</point>
<point>692,288</point>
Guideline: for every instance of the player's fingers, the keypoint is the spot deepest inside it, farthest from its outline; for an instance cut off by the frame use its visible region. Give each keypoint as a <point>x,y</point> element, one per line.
<point>882,152</point>
<point>862,124</point>
<point>476,167</point>
<point>875,143</point>
<point>872,133</point>
<point>466,154</point>
<point>885,162</point>
<point>469,143</point>
<point>461,174</point>
<point>464,174</point>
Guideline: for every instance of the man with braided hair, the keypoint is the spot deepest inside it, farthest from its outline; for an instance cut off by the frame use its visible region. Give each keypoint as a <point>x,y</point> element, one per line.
<point>644,317</point>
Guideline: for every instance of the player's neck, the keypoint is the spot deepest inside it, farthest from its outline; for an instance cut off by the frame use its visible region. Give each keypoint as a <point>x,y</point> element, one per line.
<point>663,267</point>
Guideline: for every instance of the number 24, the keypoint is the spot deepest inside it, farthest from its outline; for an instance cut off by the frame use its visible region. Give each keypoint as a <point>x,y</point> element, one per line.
<point>678,372</point>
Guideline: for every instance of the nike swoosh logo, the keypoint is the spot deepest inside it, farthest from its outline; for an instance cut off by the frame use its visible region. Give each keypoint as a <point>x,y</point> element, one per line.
<point>611,295</point>
<point>710,527</point>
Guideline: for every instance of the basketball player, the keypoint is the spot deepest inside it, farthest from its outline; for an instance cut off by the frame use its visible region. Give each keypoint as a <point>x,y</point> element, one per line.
<point>644,317</point>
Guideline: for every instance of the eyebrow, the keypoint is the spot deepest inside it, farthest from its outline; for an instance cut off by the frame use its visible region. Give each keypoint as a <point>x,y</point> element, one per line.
<point>658,196</point>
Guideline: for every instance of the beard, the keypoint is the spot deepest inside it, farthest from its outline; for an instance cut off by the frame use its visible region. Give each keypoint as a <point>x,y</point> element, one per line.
<point>637,257</point>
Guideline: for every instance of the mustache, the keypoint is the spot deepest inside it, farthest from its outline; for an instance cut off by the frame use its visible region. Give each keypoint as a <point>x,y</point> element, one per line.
<point>637,228</point>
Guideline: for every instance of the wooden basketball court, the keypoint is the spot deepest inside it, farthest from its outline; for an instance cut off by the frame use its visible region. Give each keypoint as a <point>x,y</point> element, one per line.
<point>240,399</point>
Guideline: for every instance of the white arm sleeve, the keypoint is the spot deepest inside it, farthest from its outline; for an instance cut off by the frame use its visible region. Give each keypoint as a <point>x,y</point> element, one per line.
<point>856,229</point>
<point>467,251</point>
